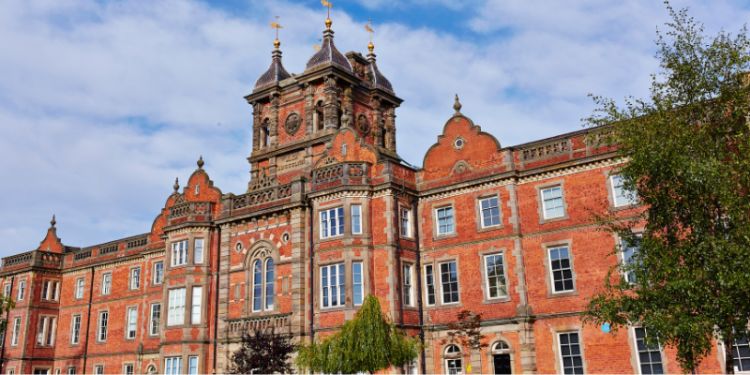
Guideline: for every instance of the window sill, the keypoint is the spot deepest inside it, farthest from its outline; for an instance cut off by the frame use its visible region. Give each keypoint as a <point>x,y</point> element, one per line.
<point>445,236</point>
<point>492,301</point>
<point>482,229</point>
<point>554,219</point>
<point>569,293</point>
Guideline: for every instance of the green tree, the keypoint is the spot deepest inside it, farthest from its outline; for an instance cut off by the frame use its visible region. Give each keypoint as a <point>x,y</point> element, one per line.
<point>688,152</point>
<point>367,343</point>
<point>263,352</point>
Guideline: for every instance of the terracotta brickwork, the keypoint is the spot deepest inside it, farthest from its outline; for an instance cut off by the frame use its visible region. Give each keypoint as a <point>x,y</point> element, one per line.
<point>331,214</point>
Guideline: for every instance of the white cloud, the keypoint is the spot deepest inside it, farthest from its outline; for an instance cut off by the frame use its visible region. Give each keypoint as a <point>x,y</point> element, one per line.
<point>103,104</point>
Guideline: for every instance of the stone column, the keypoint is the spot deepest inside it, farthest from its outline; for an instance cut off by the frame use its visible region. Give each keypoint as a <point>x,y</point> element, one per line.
<point>331,105</point>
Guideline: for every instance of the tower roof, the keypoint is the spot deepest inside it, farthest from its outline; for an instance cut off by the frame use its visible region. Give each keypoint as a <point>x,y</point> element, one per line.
<point>328,53</point>
<point>275,73</point>
<point>378,79</point>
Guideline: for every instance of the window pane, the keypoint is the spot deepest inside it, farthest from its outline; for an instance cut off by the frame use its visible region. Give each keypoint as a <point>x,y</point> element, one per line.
<point>356,219</point>
<point>561,270</point>
<point>495,276</point>
<point>198,250</point>
<point>552,202</point>
<point>269,284</point>
<point>357,283</point>
<point>430,284</point>
<point>257,285</point>
<point>490,212</point>
<point>449,282</point>
<point>570,353</point>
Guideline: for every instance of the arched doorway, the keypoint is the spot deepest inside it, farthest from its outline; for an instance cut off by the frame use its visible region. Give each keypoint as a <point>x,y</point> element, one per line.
<point>501,358</point>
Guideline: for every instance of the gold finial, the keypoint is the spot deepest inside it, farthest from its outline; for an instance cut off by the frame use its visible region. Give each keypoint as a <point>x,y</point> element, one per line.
<point>276,25</point>
<point>176,185</point>
<point>457,105</point>
<point>328,5</point>
<point>200,162</point>
<point>53,222</point>
<point>368,28</point>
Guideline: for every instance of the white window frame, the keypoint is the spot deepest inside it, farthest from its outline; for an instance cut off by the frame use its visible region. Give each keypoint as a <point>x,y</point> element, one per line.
<point>80,287</point>
<point>405,226</point>
<point>501,295</point>
<point>15,333</point>
<point>442,286</point>
<point>75,328</point>
<point>452,357</point>
<point>629,276</point>
<point>176,307</point>
<point>21,290</point>
<point>46,330</point>
<point>7,289</point>
<point>179,254</point>
<point>627,198</point>
<point>193,365</point>
<point>154,326</point>
<point>135,278</point>
<point>580,350</point>
<point>552,271</point>
<point>430,285</point>
<point>736,355</point>
<point>337,288</point>
<point>196,308</point>
<point>647,350</point>
<point>99,370</point>
<point>198,250</point>
<point>131,322</point>
<point>102,326</point>
<point>106,283</point>
<point>355,211</point>
<point>172,365</point>
<point>358,283</point>
<point>407,284</point>
<point>438,227</point>
<point>545,213</point>
<point>328,222</point>
<point>158,275</point>
<point>125,369</point>
<point>481,209</point>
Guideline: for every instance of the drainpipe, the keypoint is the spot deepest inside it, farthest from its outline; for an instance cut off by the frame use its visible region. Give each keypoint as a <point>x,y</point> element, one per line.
<point>415,210</point>
<point>7,324</point>
<point>88,321</point>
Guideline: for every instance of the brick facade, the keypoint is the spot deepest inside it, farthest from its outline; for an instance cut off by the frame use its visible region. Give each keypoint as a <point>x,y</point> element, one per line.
<point>324,144</point>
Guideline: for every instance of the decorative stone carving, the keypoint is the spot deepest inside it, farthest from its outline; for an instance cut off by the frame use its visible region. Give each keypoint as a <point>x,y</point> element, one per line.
<point>363,124</point>
<point>346,119</point>
<point>292,123</point>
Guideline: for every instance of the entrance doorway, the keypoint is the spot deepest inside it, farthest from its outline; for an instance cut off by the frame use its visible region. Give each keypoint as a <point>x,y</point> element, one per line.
<point>501,363</point>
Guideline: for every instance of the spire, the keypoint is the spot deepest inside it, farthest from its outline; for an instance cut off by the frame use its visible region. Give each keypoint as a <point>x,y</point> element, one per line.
<point>457,105</point>
<point>328,54</point>
<point>378,79</point>
<point>53,222</point>
<point>276,72</point>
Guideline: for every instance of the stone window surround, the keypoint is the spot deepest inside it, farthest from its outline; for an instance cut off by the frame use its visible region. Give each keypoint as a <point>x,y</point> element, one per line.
<point>413,277</point>
<point>348,258</point>
<point>556,346</point>
<point>446,357</point>
<point>255,252</point>
<point>634,357</point>
<point>127,317</point>
<point>186,322</point>
<point>608,174</point>
<point>80,328</point>
<point>438,284</point>
<point>346,203</point>
<point>478,214</point>
<point>410,210</point>
<point>130,277</point>
<point>99,325</point>
<point>434,208</point>
<point>190,237</point>
<point>540,201</point>
<point>548,268</point>
<point>485,285</point>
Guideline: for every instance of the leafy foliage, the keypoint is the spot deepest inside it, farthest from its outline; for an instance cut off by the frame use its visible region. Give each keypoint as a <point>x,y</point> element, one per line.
<point>6,304</point>
<point>263,352</point>
<point>466,330</point>
<point>367,343</point>
<point>688,151</point>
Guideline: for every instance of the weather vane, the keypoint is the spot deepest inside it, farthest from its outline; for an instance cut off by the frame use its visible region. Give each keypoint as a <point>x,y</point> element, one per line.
<point>368,27</point>
<point>276,25</point>
<point>328,5</point>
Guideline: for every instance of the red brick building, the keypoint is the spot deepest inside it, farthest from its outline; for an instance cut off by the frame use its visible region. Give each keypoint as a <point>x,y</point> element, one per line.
<point>331,214</point>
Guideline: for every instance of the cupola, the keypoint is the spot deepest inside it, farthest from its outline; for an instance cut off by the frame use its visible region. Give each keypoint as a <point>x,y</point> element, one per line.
<point>276,72</point>
<point>328,53</point>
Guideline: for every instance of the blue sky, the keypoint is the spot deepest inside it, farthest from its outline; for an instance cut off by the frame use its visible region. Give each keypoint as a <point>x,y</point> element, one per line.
<point>104,103</point>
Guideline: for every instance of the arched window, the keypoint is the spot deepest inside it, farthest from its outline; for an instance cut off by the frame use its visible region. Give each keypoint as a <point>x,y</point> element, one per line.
<point>453,362</point>
<point>265,134</point>
<point>257,285</point>
<point>151,369</point>
<point>269,284</point>
<point>263,282</point>
<point>500,347</point>
<point>318,117</point>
